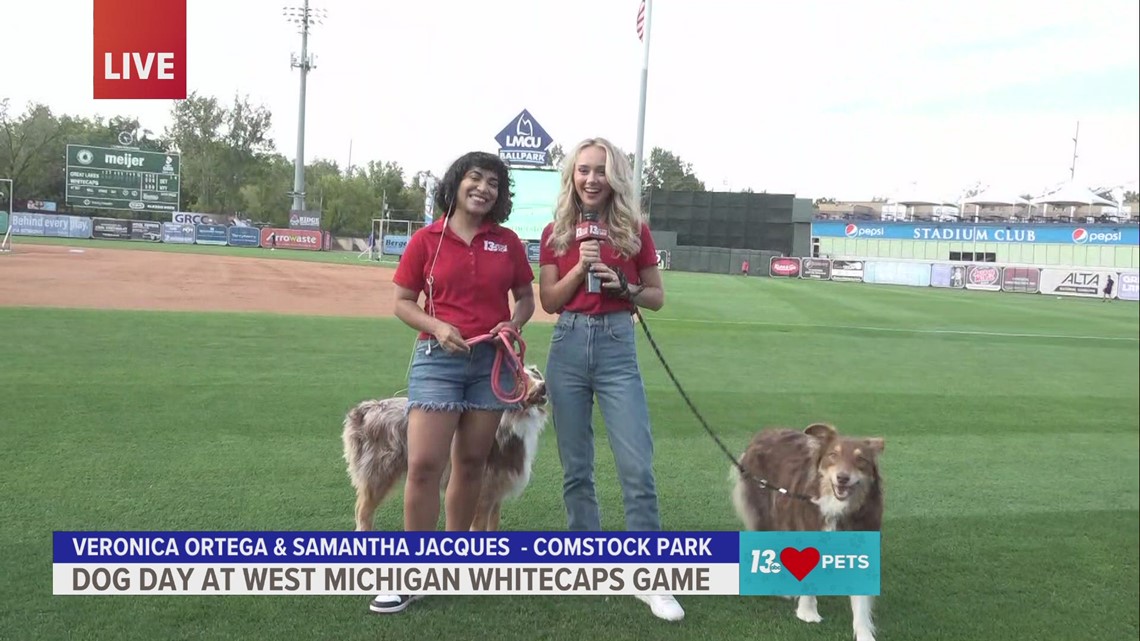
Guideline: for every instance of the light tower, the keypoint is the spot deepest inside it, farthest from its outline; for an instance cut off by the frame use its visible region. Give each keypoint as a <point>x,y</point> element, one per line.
<point>304,17</point>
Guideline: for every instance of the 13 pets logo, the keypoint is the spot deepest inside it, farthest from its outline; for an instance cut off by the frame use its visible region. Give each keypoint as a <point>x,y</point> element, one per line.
<point>811,563</point>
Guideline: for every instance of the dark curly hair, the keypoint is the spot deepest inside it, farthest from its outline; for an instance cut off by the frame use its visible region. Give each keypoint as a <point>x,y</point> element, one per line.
<point>449,184</point>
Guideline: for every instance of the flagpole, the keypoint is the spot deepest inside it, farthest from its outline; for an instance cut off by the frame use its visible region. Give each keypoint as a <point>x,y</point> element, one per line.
<point>638,162</point>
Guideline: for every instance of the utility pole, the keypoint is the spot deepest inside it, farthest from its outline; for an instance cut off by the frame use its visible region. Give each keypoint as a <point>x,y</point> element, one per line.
<point>644,22</point>
<point>1073,167</point>
<point>305,17</point>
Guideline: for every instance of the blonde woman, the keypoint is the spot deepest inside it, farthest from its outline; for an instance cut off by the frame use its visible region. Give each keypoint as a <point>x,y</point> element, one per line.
<point>593,352</point>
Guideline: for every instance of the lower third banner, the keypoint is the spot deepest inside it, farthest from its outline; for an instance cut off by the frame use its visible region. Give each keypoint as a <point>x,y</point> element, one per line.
<point>463,563</point>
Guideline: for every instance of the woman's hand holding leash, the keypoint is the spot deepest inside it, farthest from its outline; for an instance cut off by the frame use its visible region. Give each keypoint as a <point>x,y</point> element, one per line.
<point>450,339</point>
<point>511,325</point>
<point>615,283</point>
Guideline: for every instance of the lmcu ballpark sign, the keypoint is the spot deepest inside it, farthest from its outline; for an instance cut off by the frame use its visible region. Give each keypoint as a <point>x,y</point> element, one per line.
<point>139,50</point>
<point>524,142</point>
<point>1046,234</point>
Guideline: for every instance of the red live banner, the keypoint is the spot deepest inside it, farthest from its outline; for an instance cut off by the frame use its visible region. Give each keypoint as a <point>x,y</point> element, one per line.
<point>139,49</point>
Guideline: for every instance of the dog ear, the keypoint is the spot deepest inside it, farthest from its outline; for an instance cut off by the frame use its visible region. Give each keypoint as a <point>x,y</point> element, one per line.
<point>821,431</point>
<point>876,445</point>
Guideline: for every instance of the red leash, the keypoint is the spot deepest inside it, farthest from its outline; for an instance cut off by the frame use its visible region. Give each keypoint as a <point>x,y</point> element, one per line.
<point>504,341</point>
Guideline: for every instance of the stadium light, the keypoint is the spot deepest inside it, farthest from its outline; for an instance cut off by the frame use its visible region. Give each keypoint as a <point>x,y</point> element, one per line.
<point>304,17</point>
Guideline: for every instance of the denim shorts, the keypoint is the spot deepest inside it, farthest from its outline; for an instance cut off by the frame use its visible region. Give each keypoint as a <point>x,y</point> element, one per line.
<point>442,381</point>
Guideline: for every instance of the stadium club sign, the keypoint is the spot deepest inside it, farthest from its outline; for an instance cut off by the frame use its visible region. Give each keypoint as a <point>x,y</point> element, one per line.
<point>1037,234</point>
<point>524,142</point>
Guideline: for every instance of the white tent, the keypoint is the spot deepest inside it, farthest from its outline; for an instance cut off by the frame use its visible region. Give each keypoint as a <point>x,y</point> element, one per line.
<point>995,198</point>
<point>1070,195</point>
<point>918,198</point>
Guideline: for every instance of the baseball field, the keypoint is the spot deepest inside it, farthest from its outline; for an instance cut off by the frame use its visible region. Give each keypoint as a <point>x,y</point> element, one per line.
<point>150,389</point>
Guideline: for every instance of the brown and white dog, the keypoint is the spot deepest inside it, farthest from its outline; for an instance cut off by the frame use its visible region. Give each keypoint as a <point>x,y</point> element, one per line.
<point>840,472</point>
<point>375,439</point>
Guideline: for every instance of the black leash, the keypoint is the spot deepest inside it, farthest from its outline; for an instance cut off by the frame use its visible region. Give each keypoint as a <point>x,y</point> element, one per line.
<point>744,473</point>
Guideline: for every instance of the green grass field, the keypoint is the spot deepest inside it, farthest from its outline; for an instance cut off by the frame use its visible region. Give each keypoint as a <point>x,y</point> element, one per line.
<point>1013,475</point>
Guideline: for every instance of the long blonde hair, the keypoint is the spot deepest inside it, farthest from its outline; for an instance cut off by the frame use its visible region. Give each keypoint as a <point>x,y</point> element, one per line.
<point>622,212</point>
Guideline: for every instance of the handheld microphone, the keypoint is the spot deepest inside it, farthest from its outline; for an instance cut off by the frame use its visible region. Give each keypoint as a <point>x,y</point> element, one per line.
<point>590,229</point>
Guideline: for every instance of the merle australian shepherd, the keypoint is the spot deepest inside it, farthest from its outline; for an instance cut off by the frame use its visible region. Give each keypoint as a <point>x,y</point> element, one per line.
<point>841,473</point>
<point>375,439</point>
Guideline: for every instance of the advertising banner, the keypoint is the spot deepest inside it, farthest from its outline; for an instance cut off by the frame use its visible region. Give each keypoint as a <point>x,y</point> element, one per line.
<point>662,258</point>
<point>1021,280</point>
<point>110,228</point>
<point>244,236</point>
<point>847,270</point>
<point>943,275</point>
<point>210,234</point>
<point>815,268</point>
<point>80,227</point>
<point>1047,234</point>
<point>983,277</point>
<point>1087,283</point>
<point>394,245</point>
<point>897,273</point>
<point>1128,286</point>
<point>188,218</point>
<point>785,267</point>
<point>309,239</point>
<point>44,206</point>
<point>148,230</point>
<point>304,219</point>
<point>533,249</point>
<point>178,233</point>
<point>39,225</point>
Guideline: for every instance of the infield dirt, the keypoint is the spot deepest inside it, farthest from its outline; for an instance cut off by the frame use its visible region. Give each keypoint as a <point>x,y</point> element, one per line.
<point>98,278</point>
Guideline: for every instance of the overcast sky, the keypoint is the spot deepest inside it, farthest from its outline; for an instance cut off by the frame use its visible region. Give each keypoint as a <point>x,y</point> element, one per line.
<point>815,97</point>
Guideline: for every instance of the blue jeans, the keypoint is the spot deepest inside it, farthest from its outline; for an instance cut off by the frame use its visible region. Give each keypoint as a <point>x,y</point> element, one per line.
<point>597,355</point>
<point>442,381</point>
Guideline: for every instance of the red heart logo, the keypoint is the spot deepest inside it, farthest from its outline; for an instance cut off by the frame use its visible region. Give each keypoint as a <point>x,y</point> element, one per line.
<point>800,562</point>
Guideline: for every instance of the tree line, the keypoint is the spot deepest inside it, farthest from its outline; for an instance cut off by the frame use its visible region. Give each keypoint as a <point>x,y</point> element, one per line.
<point>230,165</point>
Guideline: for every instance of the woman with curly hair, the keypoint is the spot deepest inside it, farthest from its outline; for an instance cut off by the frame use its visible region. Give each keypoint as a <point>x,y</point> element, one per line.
<point>466,263</point>
<point>593,351</point>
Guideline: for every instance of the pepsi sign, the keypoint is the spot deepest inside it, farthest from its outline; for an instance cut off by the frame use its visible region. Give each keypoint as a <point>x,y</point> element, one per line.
<point>1082,236</point>
<point>856,231</point>
<point>524,142</point>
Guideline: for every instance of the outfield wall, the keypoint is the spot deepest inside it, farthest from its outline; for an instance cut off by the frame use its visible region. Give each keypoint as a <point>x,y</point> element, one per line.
<point>1103,246</point>
<point>151,231</point>
<point>1086,282</point>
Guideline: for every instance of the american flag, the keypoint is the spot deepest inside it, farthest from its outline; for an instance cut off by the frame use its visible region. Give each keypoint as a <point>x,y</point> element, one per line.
<point>641,21</point>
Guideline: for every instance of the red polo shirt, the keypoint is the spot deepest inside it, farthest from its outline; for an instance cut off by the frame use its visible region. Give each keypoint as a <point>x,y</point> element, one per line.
<point>473,282</point>
<point>585,302</point>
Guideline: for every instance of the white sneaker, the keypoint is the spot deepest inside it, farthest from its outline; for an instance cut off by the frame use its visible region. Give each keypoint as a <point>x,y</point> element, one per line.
<point>664,606</point>
<point>391,603</point>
